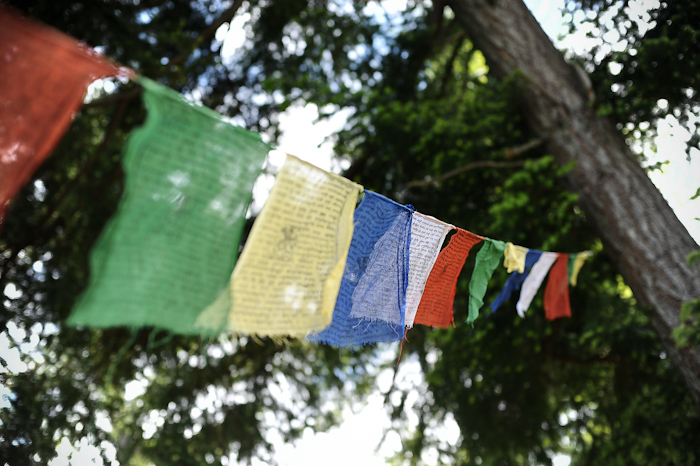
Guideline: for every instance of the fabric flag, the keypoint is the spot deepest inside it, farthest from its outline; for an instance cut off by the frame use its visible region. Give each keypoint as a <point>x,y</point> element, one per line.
<point>377,220</point>
<point>44,75</point>
<point>556,293</point>
<point>572,261</point>
<point>171,247</point>
<point>427,236</point>
<point>487,260</point>
<point>380,295</point>
<point>287,279</point>
<point>515,280</point>
<point>515,258</point>
<point>581,257</point>
<point>534,280</point>
<point>436,305</point>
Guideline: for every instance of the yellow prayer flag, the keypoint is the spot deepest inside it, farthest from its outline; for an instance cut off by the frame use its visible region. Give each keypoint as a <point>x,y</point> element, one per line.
<point>287,279</point>
<point>515,258</point>
<point>578,263</point>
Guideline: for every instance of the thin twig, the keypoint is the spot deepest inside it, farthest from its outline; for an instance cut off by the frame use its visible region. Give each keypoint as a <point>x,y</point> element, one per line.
<point>517,150</point>
<point>465,168</point>
<point>512,152</point>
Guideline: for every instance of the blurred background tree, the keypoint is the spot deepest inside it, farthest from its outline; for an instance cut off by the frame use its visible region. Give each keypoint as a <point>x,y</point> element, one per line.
<point>424,101</point>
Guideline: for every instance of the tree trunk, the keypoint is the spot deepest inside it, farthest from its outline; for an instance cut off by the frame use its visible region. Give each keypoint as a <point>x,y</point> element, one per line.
<point>638,228</point>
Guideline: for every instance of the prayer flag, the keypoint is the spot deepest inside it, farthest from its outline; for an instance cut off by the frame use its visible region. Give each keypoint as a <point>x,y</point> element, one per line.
<point>436,305</point>
<point>383,230</point>
<point>515,258</point>
<point>171,247</point>
<point>556,293</point>
<point>516,279</point>
<point>572,261</point>
<point>43,78</point>
<point>427,236</point>
<point>487,260</point>
<point>380,295</point>
<point>534,280</point>
<point>287,279</point>
<point>578,263</point>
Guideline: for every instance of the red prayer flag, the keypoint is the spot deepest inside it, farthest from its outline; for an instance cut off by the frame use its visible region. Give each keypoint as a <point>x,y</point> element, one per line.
<point>556,294</point>
<point>44,75</point>
<point>435,308</point>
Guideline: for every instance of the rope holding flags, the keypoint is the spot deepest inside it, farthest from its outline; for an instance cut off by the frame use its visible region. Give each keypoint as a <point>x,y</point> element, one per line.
<point>314,264</point>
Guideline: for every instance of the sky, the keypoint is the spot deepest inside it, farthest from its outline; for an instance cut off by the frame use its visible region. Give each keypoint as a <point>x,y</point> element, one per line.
<point>356,440</point>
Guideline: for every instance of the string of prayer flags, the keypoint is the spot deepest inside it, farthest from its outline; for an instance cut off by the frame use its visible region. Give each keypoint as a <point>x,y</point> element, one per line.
<point>170,249</point>
<point>289,273</point>
<point>556,293</point>
<point>534,280</point>
<point>44,75</point>
<point>436,305</point>
<point>487,260</point>
<point>427,236</point>
<point>377,220</point>
<point>579,259</point>
<point>516,279</point>
<point>515,258</point>
<point>166,259</point>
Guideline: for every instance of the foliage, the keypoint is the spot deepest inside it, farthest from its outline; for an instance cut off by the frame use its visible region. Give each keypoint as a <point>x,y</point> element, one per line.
<point>597,386</point>
<point>688,333</point>
<point>640,76</point>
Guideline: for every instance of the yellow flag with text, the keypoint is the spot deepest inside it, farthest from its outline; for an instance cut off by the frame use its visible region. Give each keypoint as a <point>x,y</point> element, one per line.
<point>287,279</point>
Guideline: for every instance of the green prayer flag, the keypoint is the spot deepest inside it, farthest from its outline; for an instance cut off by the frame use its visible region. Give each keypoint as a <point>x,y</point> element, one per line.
<point>570,265</point>
<point>167,254</point>
<point>487,260</point>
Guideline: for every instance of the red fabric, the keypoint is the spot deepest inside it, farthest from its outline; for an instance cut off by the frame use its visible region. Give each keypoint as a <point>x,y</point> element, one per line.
<point>43,78</point>
<point>556,294</point>
<point>435,308</point>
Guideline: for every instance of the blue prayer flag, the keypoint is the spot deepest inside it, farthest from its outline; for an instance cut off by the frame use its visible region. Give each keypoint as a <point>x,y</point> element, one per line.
<point>382,229</point>
<point>515,280</point>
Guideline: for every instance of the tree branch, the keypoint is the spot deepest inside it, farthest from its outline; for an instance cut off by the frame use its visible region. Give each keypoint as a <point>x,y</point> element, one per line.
<point>521,149</point>
<point>208,32</point>
<point>512,152</point>
<point>584,362</point>
<point>450,65</point>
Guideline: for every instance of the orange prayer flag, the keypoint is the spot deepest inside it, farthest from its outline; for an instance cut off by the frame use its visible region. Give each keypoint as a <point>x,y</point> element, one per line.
<point>556,294</point>
<point>44,75</point>
<point>435,308</point>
